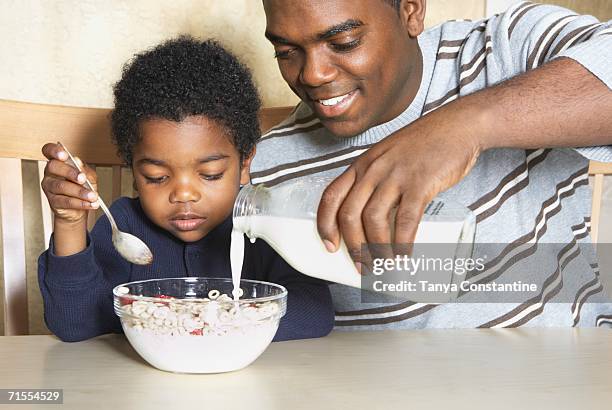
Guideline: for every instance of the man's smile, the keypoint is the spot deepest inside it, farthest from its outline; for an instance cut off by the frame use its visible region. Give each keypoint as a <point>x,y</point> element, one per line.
<point>334,106</point>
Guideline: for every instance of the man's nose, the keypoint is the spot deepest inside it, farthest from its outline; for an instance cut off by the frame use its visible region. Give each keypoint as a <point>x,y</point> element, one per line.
<point>317,69</point>
<point>185,191</point>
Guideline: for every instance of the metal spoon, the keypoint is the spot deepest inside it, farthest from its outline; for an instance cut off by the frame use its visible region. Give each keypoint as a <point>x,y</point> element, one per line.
<point>130,247</point>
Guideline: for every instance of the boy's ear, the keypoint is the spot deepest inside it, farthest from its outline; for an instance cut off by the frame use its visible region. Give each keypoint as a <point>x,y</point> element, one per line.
<point>245,169</point>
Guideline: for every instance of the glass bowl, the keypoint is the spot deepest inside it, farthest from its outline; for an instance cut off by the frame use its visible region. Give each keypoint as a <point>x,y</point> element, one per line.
<point>192,325</point>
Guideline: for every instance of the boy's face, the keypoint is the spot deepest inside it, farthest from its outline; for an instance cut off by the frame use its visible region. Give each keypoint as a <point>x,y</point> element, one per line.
<point>356,63</point>
<point>187,175</point>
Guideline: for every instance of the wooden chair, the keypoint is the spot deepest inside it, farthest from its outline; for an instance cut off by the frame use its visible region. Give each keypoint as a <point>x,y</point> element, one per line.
<point>24,128</point>
<point>597,170</point>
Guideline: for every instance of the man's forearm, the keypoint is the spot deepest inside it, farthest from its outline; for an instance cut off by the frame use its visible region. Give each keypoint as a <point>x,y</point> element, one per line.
<point>560,104</point>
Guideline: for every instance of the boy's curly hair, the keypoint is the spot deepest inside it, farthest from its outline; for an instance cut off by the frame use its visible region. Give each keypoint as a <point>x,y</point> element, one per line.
<point>184,77</point>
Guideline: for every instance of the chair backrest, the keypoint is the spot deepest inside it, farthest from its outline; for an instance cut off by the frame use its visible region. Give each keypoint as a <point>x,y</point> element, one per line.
<point>24,128</point>
<point>597,170</point>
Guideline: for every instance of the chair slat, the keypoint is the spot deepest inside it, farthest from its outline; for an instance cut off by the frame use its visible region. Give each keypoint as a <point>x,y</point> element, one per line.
<point>47,214</point>
<point>13,246</point>
<point>598,181</point>
<point>598,170</point>
<point>604,168</point>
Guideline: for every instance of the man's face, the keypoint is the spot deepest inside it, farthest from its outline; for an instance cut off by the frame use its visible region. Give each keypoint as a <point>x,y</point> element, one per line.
<point>352,61</point>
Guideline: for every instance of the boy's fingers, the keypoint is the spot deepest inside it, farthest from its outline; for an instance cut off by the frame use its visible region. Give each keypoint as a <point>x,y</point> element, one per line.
<point>66,202</point>
<point>79,162</point>
<point>67,169</point>
<point>54,151</point>
<point>92,176</point>
<point>61,169</point>
<point>88,171</point>
<point>67,188</point>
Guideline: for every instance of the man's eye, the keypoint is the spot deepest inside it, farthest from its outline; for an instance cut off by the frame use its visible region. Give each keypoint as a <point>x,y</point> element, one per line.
<point>346,46</point>
<point>283,53</point>
<point>155,180</point>
<point>212,177</point>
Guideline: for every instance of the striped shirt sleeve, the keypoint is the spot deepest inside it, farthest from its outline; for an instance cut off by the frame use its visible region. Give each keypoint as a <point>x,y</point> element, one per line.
<point>538,33</point>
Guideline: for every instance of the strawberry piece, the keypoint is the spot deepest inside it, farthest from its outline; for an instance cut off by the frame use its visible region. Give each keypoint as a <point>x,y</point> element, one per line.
<point>125,301</point>
<point>160,296</point>
<point>196,332</point>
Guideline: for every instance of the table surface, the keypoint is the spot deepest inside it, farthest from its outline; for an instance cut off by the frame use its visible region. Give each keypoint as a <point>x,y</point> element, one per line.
<point>459,369</point>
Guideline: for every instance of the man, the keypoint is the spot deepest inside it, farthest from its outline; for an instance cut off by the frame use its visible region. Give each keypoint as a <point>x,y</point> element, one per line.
<point>462,111</point>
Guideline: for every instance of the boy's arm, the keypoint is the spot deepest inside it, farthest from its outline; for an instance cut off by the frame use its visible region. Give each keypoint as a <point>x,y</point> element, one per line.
<point>310,311</point>
<point>76,289</point>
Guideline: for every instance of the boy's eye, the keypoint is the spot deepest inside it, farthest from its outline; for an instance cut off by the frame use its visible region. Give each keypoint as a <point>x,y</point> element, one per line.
<point>155,180</point>
<point>346,46</point>
<point>211,177</point>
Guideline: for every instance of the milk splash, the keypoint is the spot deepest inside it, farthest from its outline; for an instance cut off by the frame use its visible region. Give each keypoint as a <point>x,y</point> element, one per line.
<point>236,260</point>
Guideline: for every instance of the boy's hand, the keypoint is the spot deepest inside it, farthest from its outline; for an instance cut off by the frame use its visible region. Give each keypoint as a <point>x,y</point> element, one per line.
<point>63,185</point>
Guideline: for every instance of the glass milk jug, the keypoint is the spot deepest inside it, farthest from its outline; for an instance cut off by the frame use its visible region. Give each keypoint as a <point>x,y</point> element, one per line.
<point>285,216</point>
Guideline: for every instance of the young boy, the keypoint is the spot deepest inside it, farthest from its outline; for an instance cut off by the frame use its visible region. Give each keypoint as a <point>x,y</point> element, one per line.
<point>185,120</point>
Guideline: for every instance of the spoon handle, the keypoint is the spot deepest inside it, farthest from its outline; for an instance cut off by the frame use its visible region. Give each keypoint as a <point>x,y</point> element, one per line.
<point>90,186</point>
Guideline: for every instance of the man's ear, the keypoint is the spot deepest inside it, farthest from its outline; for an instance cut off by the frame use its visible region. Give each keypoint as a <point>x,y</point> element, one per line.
<point>412,15</point>
<point>245,169</point>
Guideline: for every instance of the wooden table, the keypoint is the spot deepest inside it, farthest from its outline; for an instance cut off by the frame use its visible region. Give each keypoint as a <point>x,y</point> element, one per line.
<point>438,369</point>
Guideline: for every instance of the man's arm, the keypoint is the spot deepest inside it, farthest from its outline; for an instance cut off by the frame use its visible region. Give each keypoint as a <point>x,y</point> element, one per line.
<point>560,104</point>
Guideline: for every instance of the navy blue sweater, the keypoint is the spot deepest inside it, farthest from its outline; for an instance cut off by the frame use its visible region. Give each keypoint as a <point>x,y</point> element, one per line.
<point>77,289</point>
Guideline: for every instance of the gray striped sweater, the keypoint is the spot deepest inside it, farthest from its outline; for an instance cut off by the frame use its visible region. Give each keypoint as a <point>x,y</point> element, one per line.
<point>544,192</point>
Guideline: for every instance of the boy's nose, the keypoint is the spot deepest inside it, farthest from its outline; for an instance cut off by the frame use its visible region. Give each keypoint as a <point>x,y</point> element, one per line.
<point>185,193</point>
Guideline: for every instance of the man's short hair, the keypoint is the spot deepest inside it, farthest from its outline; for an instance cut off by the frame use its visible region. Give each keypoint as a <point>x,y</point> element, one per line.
<point>394,3</point>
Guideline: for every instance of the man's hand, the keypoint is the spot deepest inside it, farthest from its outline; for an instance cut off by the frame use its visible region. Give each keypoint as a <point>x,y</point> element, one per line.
<point>560,104</point>
<point>405,171</point>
